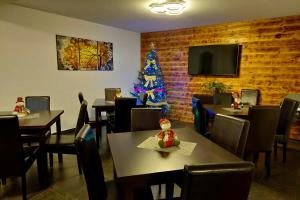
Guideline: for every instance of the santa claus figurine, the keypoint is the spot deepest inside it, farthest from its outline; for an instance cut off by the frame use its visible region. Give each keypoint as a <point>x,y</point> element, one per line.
<point>167,137</point>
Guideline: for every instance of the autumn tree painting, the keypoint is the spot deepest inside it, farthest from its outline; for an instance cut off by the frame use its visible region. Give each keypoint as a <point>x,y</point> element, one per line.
<point>83,54</point>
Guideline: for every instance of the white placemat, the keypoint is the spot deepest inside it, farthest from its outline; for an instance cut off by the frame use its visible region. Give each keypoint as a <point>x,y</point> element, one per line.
<point>31,116</point>
<point>184,148</point>
<point>233,110</point>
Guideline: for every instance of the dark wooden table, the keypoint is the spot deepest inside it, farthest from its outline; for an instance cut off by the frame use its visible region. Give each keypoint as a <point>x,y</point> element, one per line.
<point>221,109</point>
<point>136,167</point>
<point>101,105</point>
<point>38,126</point>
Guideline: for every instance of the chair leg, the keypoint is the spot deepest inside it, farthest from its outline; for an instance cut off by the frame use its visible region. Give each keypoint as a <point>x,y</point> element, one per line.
<point>275,148</point>
<point>169,190</point>
<point>51,159</point>
<point>79,165</point>
<point>3,180</point>
<point>159,189</point>
<point>268,164</point>
<point>24,187</point>
<point>284,153</point>
<point>255,157</point>
<point>60,158</point>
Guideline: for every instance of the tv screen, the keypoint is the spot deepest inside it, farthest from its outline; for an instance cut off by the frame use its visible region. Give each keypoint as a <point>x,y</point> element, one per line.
<point>221,60</point>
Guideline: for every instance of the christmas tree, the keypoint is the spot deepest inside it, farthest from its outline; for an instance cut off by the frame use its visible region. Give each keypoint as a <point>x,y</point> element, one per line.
<point>151,82</point>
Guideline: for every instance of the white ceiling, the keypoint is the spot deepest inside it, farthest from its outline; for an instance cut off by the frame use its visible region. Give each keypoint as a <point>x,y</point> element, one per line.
<point>134,15</point>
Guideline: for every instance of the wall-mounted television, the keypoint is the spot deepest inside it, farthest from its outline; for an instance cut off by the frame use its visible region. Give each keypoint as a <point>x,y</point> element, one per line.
<point>214,60</point>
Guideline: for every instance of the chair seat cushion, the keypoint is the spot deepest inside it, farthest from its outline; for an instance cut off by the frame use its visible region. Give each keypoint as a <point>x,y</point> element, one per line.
<point>61,144</point>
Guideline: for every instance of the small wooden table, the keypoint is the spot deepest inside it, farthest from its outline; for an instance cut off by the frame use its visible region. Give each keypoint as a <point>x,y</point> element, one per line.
<point>101,105</point>
<point>136,167</point>
<point>38,126</point>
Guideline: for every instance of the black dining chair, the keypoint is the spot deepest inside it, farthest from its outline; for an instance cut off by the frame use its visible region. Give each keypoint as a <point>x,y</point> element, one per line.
<point>250,96</point>
<point>64,144</point>
<point>224,99</point>
<point>263,124</point>
<point>217,181</point>
<point>202,117</point>
<point>37,103</point>
<point>144,100</point>
<point>92,121</point>
<point>145,119</point>
<point>15,160</point>
<point>288,111</point>
<point>122,115</point>
<point>230,133</point>
<point>93,170</point>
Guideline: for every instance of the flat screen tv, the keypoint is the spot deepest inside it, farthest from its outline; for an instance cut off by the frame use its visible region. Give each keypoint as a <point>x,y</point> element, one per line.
<point>214,60</point>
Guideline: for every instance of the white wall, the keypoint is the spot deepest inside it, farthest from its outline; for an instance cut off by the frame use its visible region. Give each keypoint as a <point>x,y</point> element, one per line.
<point>28,63</point>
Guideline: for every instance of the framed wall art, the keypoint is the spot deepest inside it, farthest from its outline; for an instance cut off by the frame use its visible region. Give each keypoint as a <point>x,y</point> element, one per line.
<point>83,54</point>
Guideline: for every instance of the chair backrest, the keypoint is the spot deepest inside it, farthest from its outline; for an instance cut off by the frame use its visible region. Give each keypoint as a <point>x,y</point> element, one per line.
<point>230,133</point>
<point>123,106</point>
<point>205,99</point>
<point>111,93</point>
<point>91,163</point>
<point>263,124</point>
<point>223,99</point>
<point>11,151</point>
<point>250,96</point>
<point>144,99</point>
<point>200,115</point>
<point>81,99</point>
<point>287,113</point>
<point>145,118</point>
<point>81,116</point>
<point>37,103</point>
<point>217,181</point>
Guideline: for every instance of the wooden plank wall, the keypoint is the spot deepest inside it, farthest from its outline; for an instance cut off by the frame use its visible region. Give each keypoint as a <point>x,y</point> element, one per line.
<point>270,59</point>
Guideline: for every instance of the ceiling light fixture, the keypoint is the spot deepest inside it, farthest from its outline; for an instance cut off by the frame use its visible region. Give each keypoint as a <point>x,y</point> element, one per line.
<point>170,7</point>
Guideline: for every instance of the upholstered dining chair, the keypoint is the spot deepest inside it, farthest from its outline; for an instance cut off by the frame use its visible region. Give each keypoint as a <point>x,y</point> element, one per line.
<point>14,158</point>
<point>250,96</point>
<point>37,103</point>
<point>92,121</point>
<point>64,144</point>
<point>111,93</point>
<point>122,115</point>
<point>93,170</point>
<point>287,113</point>
<point>145,119</point>
<point>202,116</point>
<point>230,133</point>
<point>263,124</point>
<point>224,99</point>
<point>217,181</point>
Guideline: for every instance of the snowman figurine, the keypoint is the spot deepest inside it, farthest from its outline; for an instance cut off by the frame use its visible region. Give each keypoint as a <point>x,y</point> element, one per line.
<point>167,137</point>
<point>20,109</point>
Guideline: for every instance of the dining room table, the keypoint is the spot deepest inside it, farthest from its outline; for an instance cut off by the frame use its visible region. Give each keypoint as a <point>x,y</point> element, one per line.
<point>34,127</point>
<point>136,164</point>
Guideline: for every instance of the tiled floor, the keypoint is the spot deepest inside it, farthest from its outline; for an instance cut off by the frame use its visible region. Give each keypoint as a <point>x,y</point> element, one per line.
<point>66,183</point>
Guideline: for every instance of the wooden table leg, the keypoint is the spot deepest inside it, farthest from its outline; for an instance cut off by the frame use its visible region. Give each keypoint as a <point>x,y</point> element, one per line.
<point>126,192</point>
<point>42,165</point>
<point>98,125</point>
<point>58,132</point>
